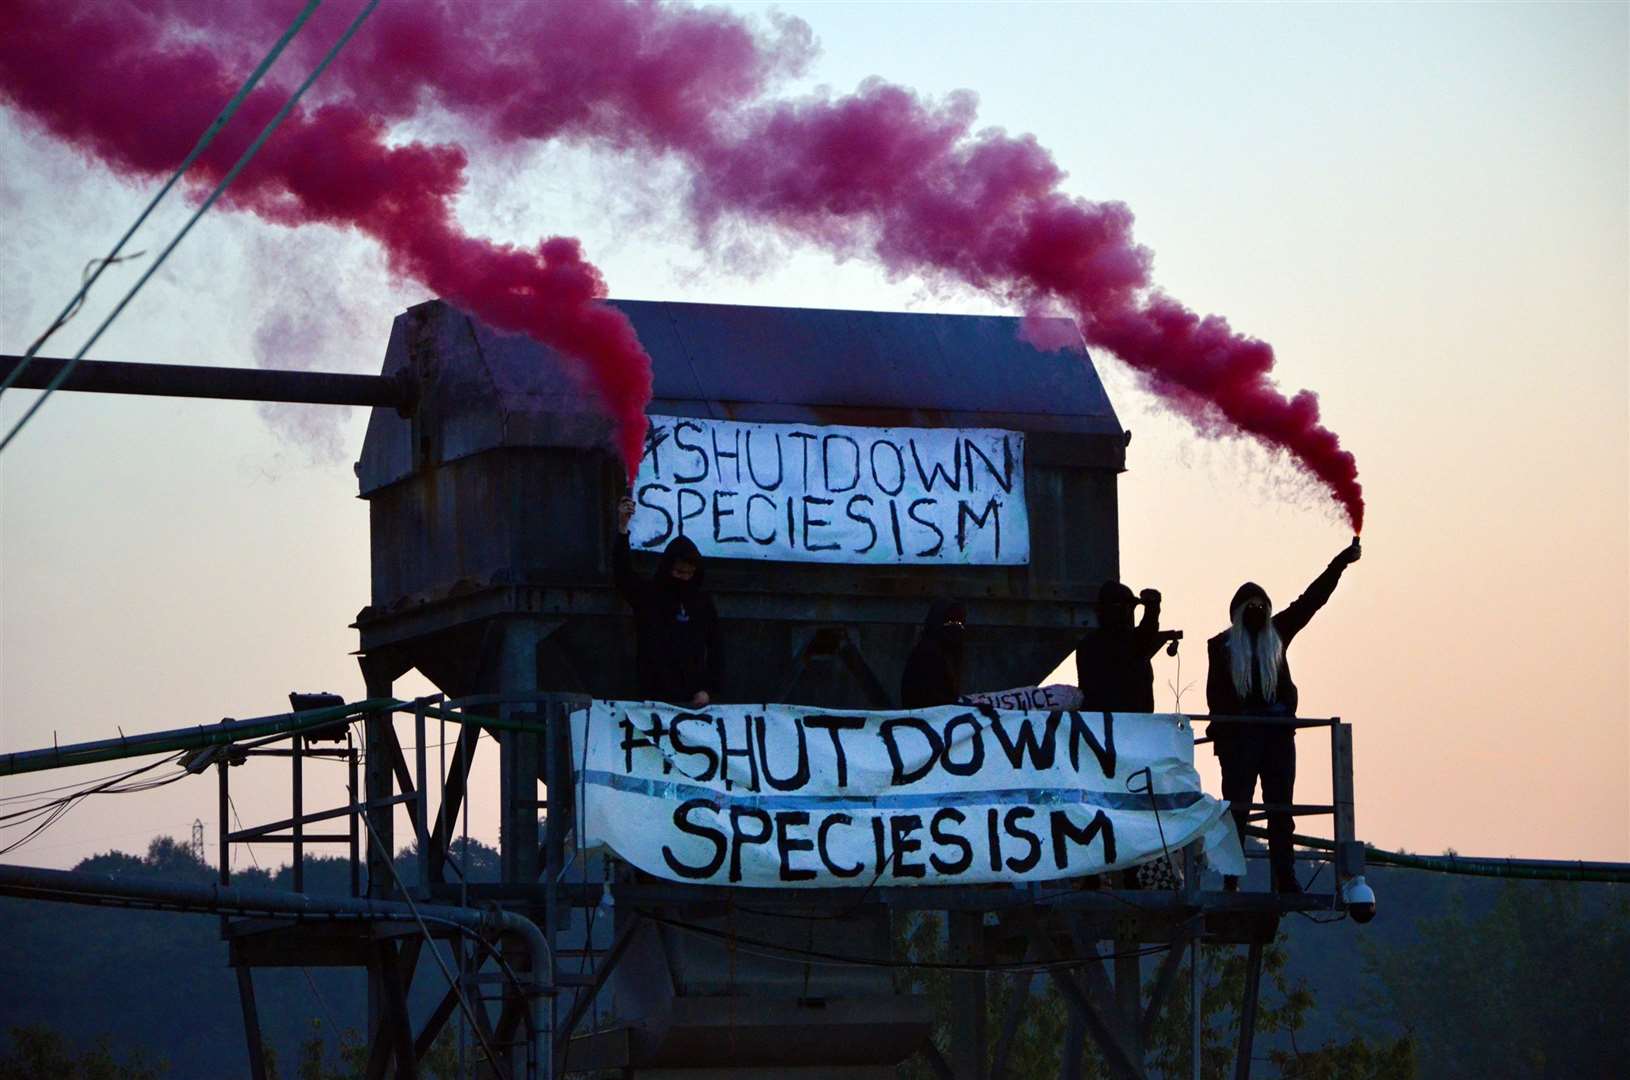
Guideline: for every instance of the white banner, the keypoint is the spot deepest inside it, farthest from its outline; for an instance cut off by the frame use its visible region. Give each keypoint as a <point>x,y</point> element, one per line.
<point>785,796</point>
<point>808,493</point>
<point>1026,698</point>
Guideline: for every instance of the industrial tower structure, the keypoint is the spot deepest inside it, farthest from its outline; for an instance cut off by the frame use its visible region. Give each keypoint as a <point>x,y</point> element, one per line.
<point>491,499</point>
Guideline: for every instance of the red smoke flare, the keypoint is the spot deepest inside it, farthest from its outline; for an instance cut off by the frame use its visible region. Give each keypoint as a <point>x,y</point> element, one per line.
<point>878,171</point>
<point>881,170</point>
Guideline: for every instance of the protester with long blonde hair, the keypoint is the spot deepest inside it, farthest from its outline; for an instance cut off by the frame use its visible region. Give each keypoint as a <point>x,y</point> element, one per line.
<point>1250,676</point>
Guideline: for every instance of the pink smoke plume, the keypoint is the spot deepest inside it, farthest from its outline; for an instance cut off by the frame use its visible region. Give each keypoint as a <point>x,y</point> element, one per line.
<point>880,171</point>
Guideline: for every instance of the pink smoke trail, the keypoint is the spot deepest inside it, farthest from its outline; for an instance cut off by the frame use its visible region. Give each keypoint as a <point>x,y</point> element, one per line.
<point>878,171</point>
<point>128,84</point>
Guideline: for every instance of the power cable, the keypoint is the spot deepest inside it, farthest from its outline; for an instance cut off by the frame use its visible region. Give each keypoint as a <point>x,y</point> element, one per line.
<point>778,951</point>
<point>226,181</point>
<point>114,256</point>
<point>110,784</point>
<point>47,814</point>
<point>25,795</point>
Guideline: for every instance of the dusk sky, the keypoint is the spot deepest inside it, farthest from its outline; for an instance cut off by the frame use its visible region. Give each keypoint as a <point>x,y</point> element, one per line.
<point>1424,208</point>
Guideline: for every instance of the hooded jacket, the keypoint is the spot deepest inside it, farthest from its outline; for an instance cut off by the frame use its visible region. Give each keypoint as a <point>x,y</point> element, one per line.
<point>1112,660</point>
<point>1222,697</point>
<point>675,624</point>
<point>933,672</point>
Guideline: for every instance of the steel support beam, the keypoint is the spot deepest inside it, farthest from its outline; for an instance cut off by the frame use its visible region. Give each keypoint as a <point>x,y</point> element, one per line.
<point>433,1024</point>
<point>585,1000</point>
<point>1098,1014</point>
<point>1162,986</point>
<point>1247,1011</point>
<point>82,887</point>
<point>251,1024</point>
<point>377,779</point>
<point>519,751</point>
<point>452,798</point>
<point>967,996</point>
<point>1075,1043</point>
<point>398,1022</point>
<point>1195,1009</point>
<point>936,1061</point>
<point>1129,995</point>
<point>1017,1005</point>
<point>297,766</point>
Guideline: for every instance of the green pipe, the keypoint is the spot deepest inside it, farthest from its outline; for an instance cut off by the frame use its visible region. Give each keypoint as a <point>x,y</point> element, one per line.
<point>490,723</point>
<point>193,738</point>
<point>1534,869</point>
<point>1529,869</point>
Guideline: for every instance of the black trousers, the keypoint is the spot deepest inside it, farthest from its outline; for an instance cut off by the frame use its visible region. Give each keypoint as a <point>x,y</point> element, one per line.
<point>1270,753</point>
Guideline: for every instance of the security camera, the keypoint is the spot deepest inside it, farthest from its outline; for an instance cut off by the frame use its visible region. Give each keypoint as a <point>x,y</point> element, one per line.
<point>1359,899</point>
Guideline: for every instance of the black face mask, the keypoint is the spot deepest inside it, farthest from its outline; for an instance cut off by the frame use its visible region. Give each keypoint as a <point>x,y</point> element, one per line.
<point>1256,618</point>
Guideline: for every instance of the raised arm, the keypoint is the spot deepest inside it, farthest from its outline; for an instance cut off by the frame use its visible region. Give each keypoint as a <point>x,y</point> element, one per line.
<point>1300,611</point>
<point>1147,633</point>
<point>622,561</point>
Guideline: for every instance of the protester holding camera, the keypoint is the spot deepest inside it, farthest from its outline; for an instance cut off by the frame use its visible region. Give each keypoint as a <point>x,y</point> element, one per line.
<point>1113,664</point>
<point>676,627</point>
<point>1115,672</point>
<point>1250,676</point>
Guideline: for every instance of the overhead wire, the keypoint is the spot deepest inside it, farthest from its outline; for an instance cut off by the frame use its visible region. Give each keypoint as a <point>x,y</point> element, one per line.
<point>778,951</point>
<point>84,785</point>
<point>49,812</point>
<point>113,256</point>
<point>226,181</point>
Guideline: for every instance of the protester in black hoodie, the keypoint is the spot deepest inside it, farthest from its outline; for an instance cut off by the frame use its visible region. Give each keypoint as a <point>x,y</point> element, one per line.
<point>676,626</point>
<point>933,674</point>
<point>1112,660</point>
<point>1250,676</point>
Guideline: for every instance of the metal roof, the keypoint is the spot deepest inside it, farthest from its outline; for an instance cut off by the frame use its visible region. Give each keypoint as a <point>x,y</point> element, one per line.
<point>866,359</point>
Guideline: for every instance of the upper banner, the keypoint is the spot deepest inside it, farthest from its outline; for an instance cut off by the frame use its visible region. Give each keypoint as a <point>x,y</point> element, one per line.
<point>786,796</point>
<point>806,493</point>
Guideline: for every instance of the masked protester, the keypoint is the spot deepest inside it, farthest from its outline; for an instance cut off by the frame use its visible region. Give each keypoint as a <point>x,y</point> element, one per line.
<point>1114,669</point>
<point>1250,676</point>
<point>933,674</point>
<point>1113,660</point>
<point>676,627</point>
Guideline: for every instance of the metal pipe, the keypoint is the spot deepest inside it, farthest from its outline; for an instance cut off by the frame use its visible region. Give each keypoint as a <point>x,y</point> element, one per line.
<point>82,887</point>
<point>1532,869</point>
<point>190,738</point>
<point>197,381</point>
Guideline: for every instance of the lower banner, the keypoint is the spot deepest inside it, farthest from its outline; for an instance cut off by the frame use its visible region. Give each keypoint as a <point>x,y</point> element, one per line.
<point>789,796</point>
